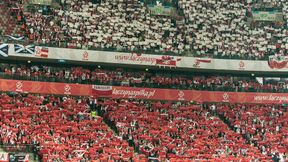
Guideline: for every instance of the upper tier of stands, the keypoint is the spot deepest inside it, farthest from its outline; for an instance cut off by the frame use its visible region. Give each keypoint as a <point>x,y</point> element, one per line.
<point>8,23</point>
<point>211,28</point>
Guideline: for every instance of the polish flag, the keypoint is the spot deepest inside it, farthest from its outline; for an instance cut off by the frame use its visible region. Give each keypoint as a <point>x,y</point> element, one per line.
<point>100,90</point>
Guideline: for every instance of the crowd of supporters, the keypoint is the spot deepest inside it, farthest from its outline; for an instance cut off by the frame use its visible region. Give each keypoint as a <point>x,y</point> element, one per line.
<point>186,131</point>
<point>62,128</point>
<point>138,78</point>
<point>264,126</point>
<point>8,23</point>
<point>207,28</point>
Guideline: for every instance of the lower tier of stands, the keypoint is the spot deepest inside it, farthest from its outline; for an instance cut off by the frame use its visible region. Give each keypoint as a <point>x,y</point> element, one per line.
<point>60,128</point>
<point>186,131</point>
<point>66,129</point>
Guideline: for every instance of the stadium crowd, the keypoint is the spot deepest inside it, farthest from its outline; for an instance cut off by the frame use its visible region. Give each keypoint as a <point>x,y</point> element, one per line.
<point>62,128</point>
<point>264,126</point>
<point>121,77</point>
<point>208,28</point>
<point>65,128</point>
<point>185,131</point>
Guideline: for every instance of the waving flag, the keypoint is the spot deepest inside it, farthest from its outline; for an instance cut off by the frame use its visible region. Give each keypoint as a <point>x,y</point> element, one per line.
<point>20,49</point>
<point>4,50</point>
<point>278,62</point>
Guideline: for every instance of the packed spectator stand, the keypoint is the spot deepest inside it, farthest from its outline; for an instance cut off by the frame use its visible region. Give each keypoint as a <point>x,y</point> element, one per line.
<point>8,22</point>
<point>178,131</point>
<point>264,126</point>
<point>139,78</point>
<point>66,128</point>
<point>207,28</point>
<point>60,127</point>
<point>63,129</point>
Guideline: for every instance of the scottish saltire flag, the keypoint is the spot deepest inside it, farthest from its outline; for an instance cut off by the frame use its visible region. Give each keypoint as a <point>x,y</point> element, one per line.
<point>20,49</point>
<point>17,38</point>
<point>4,50</point>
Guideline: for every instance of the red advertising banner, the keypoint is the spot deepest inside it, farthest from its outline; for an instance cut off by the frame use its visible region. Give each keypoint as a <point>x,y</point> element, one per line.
<point>141,93</point>
<point>199,96</point>
<point>45,87</point>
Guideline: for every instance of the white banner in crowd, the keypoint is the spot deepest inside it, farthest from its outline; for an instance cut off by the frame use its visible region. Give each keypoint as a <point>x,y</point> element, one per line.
<point>274,64</point>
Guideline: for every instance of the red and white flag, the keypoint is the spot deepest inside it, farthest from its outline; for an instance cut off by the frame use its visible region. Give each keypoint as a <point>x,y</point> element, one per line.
<point>100,90</point>
<point>198,62</point>
<point>42,52</point>
<point>278,62</point>
<point>204,60</point>
<point>167,61</point>
<point>136,80</point>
